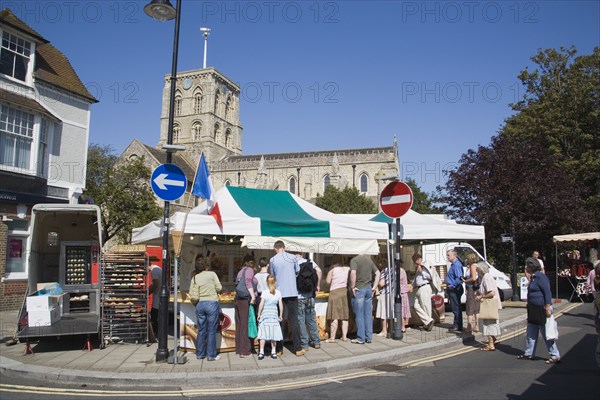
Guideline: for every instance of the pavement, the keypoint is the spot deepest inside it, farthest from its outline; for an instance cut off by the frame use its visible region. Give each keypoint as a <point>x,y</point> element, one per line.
<point>134,366</point>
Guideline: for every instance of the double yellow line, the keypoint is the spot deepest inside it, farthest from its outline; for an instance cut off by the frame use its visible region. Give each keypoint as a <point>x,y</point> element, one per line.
<point>465,350</point>
<point>248,389</point>
<point>189,392</point>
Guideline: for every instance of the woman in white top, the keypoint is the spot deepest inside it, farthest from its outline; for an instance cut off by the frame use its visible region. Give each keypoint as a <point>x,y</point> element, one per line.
<point>337,307</point>
<point>489,290</point>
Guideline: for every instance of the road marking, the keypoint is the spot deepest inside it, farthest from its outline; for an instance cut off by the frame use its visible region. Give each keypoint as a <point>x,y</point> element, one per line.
<point>252,389</point>
<point>188,392</point>
<point>460,351</point>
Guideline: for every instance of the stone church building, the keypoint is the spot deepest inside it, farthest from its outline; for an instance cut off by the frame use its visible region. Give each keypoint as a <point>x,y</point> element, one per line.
<point>207,119</point>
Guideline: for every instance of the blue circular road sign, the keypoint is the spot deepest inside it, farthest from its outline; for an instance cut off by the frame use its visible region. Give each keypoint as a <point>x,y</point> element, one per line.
<point>168,182</point>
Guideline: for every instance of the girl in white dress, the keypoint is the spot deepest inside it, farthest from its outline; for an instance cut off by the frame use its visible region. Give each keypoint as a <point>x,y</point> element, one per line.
<point>270,315</point>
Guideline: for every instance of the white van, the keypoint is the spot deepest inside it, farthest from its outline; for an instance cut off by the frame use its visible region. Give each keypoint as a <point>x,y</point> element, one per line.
<point>436,253</point>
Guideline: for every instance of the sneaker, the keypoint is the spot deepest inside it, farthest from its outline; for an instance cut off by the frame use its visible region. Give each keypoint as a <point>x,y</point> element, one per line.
<point>357,341</point>
<point>214,359</point>
<point>200,357</point>
<point>367,341</point>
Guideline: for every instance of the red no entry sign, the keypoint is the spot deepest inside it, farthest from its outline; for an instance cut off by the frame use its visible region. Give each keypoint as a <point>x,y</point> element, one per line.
<point>396,199</point>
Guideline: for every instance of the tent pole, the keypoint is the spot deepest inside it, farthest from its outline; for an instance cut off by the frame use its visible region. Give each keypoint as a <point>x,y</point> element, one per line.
<point>389,298</point>
<point>556,270</point>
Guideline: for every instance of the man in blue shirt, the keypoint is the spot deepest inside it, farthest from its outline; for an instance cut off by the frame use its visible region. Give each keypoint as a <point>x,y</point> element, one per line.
<point>455,290</point>
<point>284,267</point>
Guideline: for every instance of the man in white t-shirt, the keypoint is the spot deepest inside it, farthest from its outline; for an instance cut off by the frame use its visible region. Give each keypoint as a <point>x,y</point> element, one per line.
<point>536,255</point>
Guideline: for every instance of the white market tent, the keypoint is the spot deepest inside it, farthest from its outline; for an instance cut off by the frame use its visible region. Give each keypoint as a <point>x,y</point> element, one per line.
<point>264,216</point>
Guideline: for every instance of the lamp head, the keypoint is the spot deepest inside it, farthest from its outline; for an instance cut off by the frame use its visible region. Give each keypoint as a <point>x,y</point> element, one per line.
<point>161,10</point>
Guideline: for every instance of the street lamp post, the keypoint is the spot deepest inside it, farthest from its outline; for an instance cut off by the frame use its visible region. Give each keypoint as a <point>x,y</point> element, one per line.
<point>163,10</point>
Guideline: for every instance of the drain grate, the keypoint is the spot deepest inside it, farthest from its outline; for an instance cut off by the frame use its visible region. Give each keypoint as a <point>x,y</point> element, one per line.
<point>387,368</point>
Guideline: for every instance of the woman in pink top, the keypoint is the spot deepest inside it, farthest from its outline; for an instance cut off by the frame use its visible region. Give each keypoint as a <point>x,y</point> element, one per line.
<point>337,307</point>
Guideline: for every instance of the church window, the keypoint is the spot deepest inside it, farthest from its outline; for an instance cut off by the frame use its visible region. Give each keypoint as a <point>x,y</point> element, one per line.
<point>217,101</point>
<point>216,132</point>
<point>178,105</point>
<point>227,137</point>
<point>292,185</point>
<point>176,131</point>
<point>364,183</point>
<point>227,182</point>
<point>197,130</point>
<point>326,182</point>
<point>198,102</point>
<point>228,108</point>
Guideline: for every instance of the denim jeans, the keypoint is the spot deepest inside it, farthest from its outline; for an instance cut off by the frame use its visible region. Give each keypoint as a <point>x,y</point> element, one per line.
<point>207,313</point>
<point>532,335</point>
<point>307,316</point>
<point>454,296</point>
<point>362,304</point>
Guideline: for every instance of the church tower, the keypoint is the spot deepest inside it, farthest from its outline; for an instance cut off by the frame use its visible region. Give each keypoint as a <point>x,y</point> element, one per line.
<point>207,115</point>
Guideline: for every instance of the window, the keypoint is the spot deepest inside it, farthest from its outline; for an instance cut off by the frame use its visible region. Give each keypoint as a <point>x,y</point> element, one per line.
<point>326,182</point>
<point>227,182</point>
<point>176,131</point>
<point>197,130</point>
<point>16,137</point>
<point>216,132</point>
<point>227,137</point>
<point>178,105</point>
<point>228,108</point>
<point>14,56</point>
<point>217,101</point>
<point>364,183</point>
<point>16,251</point>
<point>292,185</point>
<point>43,148</point>
<point>198,101</point>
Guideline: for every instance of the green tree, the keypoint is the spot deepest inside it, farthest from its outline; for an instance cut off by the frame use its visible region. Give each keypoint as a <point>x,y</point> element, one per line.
<point>561,109</point>
<point>121,192</point>
<point>422,203</point>
<point>538,177</point>
<point>346,201</point>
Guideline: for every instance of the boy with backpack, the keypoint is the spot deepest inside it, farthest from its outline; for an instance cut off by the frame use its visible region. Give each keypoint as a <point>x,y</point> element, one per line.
<point>308,282</point>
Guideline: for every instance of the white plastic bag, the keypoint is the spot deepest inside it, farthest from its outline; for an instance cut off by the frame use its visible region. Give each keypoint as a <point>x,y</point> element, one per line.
<point>551,328</point>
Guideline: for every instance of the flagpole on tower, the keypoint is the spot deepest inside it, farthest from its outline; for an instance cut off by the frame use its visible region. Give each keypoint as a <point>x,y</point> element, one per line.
<point>206,31</point>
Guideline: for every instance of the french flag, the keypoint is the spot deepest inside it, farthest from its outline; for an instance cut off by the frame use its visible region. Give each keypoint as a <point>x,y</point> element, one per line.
<point>203,188</point>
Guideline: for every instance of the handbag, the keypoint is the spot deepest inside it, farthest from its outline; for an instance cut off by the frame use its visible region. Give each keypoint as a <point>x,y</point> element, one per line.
<point>252,329</point>
<point>488,309</point>
<point>551,328</point>
<point>241,291</point>
<point>536,314</point>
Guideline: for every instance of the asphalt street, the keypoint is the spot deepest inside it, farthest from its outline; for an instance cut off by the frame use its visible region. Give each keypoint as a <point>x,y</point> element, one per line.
<point>461,372</point>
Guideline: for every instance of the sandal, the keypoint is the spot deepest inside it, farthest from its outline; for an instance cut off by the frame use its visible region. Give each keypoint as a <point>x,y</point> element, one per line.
<point>524,357</point>
<point>261,356</point>
<point>475,329</point>
<point>488,348</point>
<point>552,361</point>
<point>274,356</point>
<point>330,341</point>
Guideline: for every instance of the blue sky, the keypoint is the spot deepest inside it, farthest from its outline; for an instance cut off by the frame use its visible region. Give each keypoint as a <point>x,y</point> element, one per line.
<point>321,75</point>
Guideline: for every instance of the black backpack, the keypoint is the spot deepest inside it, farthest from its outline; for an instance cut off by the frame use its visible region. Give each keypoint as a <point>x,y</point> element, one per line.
<point>306,280</point>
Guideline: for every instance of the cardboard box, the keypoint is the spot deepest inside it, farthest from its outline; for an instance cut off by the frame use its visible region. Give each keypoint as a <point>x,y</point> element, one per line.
<point>44,303</point>
<point>43,317</point>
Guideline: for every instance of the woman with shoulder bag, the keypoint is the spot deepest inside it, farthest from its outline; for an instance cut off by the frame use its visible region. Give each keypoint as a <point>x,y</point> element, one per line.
<point>245,277</point>
<point>539,307</point>
<point>488,292</point>
<point>472,281</point>
<point>204,294</point>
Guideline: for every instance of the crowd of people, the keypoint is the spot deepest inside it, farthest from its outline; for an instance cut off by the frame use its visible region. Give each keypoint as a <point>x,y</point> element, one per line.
<point>273,292</point>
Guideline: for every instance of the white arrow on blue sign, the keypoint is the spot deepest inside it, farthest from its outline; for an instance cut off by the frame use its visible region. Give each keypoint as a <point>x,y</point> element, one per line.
<point>168,182</point>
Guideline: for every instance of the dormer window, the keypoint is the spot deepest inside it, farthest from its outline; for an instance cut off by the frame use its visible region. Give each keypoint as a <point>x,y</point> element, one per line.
<point>14,56</point>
